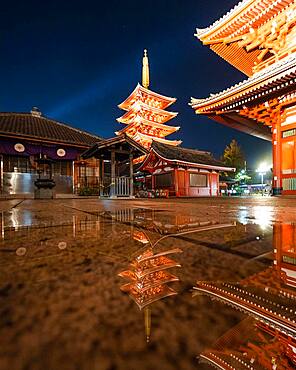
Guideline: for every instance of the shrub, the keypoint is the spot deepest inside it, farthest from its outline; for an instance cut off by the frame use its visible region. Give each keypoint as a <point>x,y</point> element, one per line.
<point>86,191</point>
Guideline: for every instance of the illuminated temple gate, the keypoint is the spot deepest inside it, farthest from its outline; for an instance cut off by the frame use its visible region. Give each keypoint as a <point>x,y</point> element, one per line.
<point>258,37</point>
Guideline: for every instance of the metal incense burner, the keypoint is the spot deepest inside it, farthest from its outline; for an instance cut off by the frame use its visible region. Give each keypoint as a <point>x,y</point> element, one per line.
<point>45,183</point>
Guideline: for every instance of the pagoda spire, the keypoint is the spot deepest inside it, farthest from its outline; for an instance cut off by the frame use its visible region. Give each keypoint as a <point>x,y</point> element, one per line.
<point>145,113</point>
<point>145,70</point>
<point>147,315</point>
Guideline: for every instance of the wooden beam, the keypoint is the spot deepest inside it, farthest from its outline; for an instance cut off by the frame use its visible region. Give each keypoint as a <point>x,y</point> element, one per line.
<point>44,140</point>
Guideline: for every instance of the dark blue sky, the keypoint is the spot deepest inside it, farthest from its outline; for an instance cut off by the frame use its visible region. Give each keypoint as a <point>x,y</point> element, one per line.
<point>76,60</point>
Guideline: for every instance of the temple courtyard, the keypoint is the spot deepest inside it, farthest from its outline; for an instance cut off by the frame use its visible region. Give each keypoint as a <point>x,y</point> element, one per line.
<point>69,268</point>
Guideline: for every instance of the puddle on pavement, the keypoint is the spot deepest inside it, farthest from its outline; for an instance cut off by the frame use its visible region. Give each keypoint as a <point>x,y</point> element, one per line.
<point>141,289</point>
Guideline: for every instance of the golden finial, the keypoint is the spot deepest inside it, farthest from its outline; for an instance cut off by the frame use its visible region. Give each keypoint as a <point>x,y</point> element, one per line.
<point>145,70</point>
<point>147,315</point>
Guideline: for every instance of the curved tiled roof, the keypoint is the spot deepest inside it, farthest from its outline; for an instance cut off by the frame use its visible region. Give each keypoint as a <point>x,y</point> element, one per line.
<point>178,154</point>
<point>246,14</point>
<point>31,126</point>
<point>139,89</point>
<point>262,79</point>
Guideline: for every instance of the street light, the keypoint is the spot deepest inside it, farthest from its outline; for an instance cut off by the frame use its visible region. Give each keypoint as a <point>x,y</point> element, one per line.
<point>262,169</point>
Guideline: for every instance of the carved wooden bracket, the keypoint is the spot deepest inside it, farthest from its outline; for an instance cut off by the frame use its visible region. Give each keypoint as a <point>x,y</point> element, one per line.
<point>267,113</point>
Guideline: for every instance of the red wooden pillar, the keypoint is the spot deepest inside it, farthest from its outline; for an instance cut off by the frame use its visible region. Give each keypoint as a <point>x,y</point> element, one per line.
<point>176,180</point>
<point>187,182</point>
<point>153,182</point>
<point>210,177</point>
<point>276,157</point>
<point>277,245</point>
<point>218,183</point>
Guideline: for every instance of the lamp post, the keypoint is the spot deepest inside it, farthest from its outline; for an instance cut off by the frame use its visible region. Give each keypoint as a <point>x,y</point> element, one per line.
<point>262,169</point>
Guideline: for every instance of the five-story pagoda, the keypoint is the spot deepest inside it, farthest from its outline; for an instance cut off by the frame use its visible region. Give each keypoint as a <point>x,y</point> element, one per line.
<point>146,113</point>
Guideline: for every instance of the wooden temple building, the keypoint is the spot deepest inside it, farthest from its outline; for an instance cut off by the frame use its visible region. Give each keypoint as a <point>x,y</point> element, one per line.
<point>258,37</point>
<point>267,297</point>
<point>162,165</point>
<point>182,171</point>
<point>25,137</point>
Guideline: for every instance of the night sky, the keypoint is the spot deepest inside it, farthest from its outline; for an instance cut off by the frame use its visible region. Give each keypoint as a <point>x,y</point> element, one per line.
<point>77,60</point>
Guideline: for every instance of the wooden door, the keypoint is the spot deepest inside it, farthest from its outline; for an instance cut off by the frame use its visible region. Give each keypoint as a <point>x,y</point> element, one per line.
<point>181,183</point>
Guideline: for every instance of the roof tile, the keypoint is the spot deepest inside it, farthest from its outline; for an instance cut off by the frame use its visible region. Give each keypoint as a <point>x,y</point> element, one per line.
<point>27,125</point>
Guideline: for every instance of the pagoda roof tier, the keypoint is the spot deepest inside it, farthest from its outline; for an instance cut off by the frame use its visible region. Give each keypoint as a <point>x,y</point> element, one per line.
<point>143,125</point>
<point>145,111</point>
<point>149,281</point>
<point>149,139</point>
<point>147,96</point>
<point>235,38</point>
<point>148,296</point>
<point>184,156</point>
<point>158,264</point>
<point>148,254</point>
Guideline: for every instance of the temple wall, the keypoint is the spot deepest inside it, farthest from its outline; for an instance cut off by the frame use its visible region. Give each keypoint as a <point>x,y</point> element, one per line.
<point>191,183</point>
<point>17,183</point>
<point>18,173</point>
<point>286,163</point>
<point>211,188</point>
<point>18,169</point>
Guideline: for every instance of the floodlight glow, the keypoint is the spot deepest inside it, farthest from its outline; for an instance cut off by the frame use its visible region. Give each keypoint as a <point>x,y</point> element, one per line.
<point>263,168</point>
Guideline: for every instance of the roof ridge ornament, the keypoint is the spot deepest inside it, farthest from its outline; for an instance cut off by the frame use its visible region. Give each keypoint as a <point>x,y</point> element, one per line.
<point>36,112</point>
<point>145,70</point>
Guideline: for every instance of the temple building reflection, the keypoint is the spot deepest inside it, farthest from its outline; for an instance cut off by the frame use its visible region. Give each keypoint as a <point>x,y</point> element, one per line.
<point>247,346</point>
<point>148,277</point>
<point>269,299</point>
<point>285,253</point>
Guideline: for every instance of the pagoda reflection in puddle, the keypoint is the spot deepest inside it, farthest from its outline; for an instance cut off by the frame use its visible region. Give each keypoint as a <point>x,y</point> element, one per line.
<point>148,277</point>
<point>267,339</point>
<point>148,273</point>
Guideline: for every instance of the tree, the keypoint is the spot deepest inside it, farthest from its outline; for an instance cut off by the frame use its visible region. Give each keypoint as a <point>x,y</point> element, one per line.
<point>234,157</point>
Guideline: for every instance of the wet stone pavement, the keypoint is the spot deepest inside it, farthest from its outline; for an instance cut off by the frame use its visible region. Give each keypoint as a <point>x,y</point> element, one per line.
<point>147,284</point>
